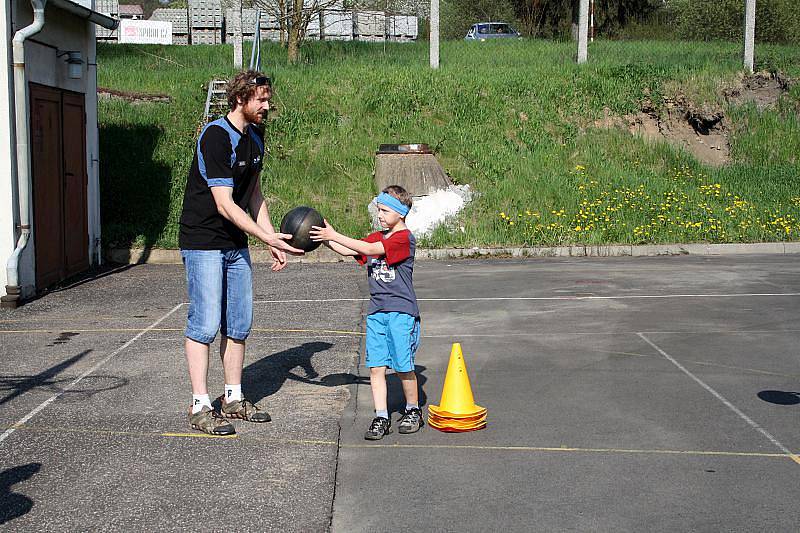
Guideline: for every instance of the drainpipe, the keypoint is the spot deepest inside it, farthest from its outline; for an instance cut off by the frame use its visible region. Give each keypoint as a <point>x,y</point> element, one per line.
<point>23,154</point>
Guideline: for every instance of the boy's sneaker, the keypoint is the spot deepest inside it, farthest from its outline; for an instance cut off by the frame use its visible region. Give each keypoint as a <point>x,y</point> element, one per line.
<point>208,421</point>
<point>378,428</point>
<point>411,421</point>
<point>243,409</point>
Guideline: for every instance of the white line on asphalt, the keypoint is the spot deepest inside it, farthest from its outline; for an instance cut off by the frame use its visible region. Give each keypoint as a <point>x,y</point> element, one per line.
<point>721,398</point>
<point>570,333</point>
<point>77,380</point>
<point>539,298</point>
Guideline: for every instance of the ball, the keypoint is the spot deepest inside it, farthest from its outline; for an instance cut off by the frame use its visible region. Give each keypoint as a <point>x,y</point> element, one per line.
<point>298,222</point>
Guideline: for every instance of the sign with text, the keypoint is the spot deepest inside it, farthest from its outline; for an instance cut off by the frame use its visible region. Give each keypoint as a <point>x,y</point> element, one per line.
<point>145,31</point>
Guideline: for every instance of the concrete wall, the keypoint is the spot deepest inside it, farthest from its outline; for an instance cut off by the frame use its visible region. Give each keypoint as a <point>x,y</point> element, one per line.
<point>62,31</point>
<point>8,190</point>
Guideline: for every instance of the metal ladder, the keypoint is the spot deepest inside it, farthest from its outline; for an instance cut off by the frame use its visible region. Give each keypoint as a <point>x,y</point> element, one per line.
<point>216,102</point>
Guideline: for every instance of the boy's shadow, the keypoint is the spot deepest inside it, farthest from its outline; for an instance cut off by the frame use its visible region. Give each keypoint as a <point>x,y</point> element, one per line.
<point>266,376</point>
<point>397,400</point>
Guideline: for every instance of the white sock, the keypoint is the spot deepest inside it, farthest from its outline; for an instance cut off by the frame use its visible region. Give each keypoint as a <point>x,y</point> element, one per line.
<point>233,393</point>
<point>199,401</point>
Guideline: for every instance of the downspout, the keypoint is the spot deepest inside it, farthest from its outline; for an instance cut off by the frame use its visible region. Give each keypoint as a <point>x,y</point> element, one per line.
<point>23,154</point>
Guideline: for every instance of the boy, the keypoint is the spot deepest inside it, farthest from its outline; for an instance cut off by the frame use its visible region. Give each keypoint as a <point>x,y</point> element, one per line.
<point>393,316</point>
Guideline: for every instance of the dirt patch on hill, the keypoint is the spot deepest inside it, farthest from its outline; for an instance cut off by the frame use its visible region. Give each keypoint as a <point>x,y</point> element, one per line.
<point>764,89</point>
<point>133,97</point>
<point>702,130</point>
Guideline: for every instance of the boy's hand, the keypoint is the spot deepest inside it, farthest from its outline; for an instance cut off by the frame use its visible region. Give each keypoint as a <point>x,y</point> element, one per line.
<point>326,233</point>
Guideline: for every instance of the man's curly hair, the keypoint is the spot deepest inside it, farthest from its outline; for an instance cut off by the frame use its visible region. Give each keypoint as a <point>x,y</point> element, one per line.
<point>242,86</point>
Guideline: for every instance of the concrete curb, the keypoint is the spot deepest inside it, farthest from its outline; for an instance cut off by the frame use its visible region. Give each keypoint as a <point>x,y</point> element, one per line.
<point>159,256</point>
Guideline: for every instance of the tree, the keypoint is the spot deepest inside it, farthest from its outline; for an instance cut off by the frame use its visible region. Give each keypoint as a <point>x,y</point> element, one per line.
<point>294,17</point>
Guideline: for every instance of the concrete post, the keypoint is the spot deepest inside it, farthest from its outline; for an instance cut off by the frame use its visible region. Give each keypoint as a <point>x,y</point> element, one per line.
<point>434,37</point>
<point>237,34</point>
<point>749,34</point>
<point>583,31</point>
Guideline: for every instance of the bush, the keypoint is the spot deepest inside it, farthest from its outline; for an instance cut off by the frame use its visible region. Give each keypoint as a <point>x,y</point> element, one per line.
<point>777,21</point>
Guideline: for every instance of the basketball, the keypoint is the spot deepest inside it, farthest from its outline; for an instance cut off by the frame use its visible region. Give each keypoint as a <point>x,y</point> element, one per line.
<point>298,222</point>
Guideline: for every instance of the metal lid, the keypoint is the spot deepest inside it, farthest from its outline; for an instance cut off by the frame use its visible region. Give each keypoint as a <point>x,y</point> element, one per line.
<point>404,149</point>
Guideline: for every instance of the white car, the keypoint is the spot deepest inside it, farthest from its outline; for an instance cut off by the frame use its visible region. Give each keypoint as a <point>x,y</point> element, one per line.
<point>483,31</point>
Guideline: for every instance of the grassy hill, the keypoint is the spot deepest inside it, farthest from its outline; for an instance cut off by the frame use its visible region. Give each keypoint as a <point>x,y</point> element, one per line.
<point>516,121</point>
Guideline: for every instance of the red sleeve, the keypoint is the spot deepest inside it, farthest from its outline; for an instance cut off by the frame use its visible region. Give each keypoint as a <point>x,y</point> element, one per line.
<point>372,237</point>
<point>398,248</point>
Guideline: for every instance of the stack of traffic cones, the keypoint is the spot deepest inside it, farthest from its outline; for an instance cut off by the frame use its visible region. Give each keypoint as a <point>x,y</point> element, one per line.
<point>457,411</point>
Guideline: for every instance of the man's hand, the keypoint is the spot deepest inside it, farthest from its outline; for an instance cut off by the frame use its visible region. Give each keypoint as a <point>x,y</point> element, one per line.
<point>278,242</point>
<point>278,259</point>
<point>326,233</point>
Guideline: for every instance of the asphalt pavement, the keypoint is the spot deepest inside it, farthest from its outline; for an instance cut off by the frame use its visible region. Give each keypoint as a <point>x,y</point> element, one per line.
<point>623,394</point>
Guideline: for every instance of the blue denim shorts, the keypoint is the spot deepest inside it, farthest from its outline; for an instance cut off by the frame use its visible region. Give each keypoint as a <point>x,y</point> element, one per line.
<point>220,284</point>
<point>392,340</point>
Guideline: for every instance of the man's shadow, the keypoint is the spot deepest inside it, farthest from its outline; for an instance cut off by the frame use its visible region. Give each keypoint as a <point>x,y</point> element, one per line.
<point>266,376</point>
<point>394,387</point>
<point>12,504</point>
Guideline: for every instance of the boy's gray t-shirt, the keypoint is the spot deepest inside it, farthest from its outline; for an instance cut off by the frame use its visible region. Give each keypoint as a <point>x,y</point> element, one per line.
<point>390,276</point>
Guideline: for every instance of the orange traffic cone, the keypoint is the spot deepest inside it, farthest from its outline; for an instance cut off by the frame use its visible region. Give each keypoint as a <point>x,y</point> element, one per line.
<point>457,411</point>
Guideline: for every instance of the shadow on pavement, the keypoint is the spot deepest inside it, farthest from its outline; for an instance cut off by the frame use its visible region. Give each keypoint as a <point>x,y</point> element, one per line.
<point>397,401</point>
<point>780,397</point>
<point>15,386</point>
<point>266,376</point>
<point>12,504</point>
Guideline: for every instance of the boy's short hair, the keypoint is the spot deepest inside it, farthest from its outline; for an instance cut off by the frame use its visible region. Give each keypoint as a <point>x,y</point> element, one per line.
<point>399,193</point>
<point>244,85</point>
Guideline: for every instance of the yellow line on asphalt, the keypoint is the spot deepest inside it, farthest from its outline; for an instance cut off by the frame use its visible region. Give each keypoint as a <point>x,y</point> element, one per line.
<point>200,435</point>
<point>148,434</point>
<point>565,449</point>
<point>128,330</point>
<point>311,442</point>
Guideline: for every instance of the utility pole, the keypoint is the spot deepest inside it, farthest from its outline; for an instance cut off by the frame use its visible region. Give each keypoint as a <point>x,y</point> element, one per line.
<point>591,22</point>
<point>434,37</point>
<point>749,34</point>
<point>583,31</point>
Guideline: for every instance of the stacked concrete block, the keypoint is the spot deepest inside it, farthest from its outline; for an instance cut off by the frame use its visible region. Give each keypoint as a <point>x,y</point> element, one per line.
<point>369,26</point>
<point>180,23</point>
<point>402,28</point>
<point>248,24</point>
<point>338,25</point>
<point>110,8</point>
<point>206,21</point>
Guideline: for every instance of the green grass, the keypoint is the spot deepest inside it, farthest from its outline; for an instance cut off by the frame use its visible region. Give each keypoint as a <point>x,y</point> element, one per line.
<point>507,118</point>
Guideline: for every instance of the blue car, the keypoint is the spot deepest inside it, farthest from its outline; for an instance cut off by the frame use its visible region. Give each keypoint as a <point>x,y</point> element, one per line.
<point>491,30</point>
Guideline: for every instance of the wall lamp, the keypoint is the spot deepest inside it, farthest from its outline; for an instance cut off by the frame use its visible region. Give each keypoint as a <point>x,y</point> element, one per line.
<point>74,61</point>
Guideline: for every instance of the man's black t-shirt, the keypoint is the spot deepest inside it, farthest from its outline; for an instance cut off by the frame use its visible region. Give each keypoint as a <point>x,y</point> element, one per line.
<point>224,157</point>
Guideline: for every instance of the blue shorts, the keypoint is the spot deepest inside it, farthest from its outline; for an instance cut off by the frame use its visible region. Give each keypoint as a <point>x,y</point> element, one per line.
<point>392,340</point>
<point>220,284</point>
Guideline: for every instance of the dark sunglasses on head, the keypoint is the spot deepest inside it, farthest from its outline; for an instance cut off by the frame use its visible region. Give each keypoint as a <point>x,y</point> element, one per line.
<point>258,81</point>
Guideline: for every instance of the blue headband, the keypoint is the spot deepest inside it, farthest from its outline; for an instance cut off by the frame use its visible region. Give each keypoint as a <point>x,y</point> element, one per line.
<point>392,203</point>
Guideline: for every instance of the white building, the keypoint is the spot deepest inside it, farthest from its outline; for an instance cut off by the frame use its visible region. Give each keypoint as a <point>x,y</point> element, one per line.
<point>49,186</point>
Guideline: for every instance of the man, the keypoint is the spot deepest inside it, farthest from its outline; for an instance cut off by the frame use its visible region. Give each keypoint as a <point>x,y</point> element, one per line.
<point>223,185</point>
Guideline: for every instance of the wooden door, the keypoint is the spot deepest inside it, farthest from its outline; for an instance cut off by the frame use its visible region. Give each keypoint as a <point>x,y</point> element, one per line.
<point>76,234</point>
<point>48,196</point>
<point>58,153</point>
